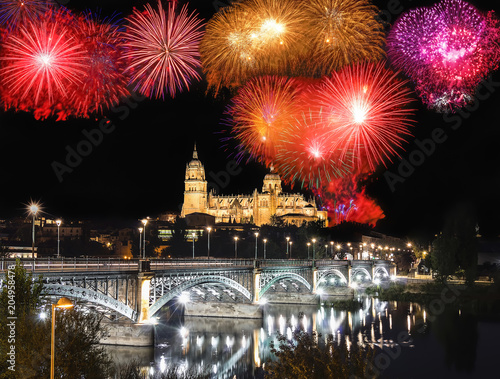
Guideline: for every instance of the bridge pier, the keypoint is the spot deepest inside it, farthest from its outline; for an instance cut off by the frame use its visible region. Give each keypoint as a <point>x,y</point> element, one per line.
<point>143,291</point>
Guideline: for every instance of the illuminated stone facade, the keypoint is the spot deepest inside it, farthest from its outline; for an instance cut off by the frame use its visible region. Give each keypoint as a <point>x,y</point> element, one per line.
<point>257,208</point>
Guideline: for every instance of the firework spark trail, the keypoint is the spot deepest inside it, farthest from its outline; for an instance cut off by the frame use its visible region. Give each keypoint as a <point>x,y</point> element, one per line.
<point>39,62</point>
<point>366,107</point>
<point>446,49</point>
<point>163,48</point>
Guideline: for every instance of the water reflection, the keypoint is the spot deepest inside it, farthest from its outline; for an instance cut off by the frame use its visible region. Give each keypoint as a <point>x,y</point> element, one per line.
<point>229,347</point>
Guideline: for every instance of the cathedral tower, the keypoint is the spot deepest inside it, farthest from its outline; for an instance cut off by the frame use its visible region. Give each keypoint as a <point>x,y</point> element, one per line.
<point>195,187</point>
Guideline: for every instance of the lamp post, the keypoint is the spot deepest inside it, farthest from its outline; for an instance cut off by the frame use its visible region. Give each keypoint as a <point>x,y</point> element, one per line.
<point>314,249</point>
<point>256,241</point>
<point>291,249</point>
<point>58,223</point>
<point>308,246</point>
<point>193,235</point>
<point>144,221</point>
<point>287,241</point>
<point>331,250</point>
<point>140,242</point>
<point>33,210</point>
<point>235,247</point>
<point>62,303</point>
<point>209,229</point>
<point>265,242</point>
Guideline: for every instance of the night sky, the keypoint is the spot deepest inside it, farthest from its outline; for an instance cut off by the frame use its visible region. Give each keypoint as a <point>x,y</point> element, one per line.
<point>138,168</point>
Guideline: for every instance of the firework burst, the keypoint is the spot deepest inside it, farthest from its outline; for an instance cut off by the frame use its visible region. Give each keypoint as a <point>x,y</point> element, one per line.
<point>40,61</point>
<point>342,32</point>
<point>104,82</point>
<point>261,111</point>
<point>446,50</point>
<point>365,107</point>
<point>163,49</point>
<point>14,13</point>
<point>306,156</point>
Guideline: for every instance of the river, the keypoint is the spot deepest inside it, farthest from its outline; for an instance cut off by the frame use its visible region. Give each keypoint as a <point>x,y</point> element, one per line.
<point>410,341</point>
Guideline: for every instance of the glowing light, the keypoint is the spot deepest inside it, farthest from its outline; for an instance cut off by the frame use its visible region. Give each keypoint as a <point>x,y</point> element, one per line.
<point>184,297</point>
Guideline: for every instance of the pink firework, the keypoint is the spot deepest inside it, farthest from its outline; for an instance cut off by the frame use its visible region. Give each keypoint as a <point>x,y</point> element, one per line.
<point>40,61</point>
<point>306,156</point>
<point>163,49</point>
<point>446,49</point>
<point>366,109</point>
<point>261,111</point>
<point>104,82</point>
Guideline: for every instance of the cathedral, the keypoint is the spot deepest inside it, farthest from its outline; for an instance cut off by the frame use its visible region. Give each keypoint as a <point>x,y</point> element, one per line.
<point>258,208</point>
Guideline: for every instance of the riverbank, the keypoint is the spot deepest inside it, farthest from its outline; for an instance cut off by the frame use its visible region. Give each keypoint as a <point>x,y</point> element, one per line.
<point>480,298</point>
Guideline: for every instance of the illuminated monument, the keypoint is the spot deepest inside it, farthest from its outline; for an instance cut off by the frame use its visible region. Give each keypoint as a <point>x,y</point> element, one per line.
<point>257,208</point>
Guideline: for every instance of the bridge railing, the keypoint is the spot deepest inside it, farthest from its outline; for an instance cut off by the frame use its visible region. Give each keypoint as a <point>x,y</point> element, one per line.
<point>71,264</point>
<point>168,264</point>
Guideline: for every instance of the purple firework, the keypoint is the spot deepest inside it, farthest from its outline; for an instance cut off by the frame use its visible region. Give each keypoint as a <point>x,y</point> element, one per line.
<point>446,49</point>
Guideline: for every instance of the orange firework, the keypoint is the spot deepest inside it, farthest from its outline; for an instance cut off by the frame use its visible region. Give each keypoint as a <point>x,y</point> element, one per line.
<point>260,112</point>
<point>342,32</point>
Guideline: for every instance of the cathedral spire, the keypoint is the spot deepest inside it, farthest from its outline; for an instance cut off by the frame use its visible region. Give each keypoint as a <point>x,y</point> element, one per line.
<point>195,153</point>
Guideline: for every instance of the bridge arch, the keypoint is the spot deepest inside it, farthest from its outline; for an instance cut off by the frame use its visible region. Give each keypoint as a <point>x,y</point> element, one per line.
<point>206,279</point>
<point>357,270</point>
<point>289,275</point>
<point>380,271</point>
<point>331,272</point>
<point>92,297</point>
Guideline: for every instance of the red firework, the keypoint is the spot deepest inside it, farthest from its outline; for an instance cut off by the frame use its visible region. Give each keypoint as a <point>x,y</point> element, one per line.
<point>163,49</point>
<point>345,200</point>
<point>366,108</point>
<point>306,156</point>
<point>40,61</point>
<point>104,82</point>
<point>261,111</point>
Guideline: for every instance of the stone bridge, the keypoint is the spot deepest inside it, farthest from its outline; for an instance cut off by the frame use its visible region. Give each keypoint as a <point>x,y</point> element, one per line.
<point>138,289</point>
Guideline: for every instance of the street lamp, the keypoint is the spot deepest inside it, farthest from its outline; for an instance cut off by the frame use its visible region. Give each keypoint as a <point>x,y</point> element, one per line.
<point>140,241</point>
<point>209,229</point>
<point>331,248</point>
<point>265,242</point>
<point>62,303</point>
<point>58,223</point>
<point>256,237</point>
<point>193,235</point>
<point>291,242</point>
<point>308,246</point>
<point>144,221</point>
<point>33,209</point>
<point>235,247</point>
<point>314,249</point>
<point>287,241</point>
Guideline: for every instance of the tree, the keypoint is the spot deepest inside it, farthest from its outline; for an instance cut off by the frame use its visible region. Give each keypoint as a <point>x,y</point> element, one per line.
<point>77,334</point>
<point>456,246</point>
<point>304,357</point>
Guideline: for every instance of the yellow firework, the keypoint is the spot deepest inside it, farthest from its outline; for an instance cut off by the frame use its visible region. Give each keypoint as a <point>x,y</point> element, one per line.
<point>342,32</point>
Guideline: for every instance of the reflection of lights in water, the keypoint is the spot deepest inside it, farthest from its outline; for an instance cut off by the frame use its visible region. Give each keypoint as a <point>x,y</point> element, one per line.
<point>348,343</point>
<point>289,333</point>
<point>281,322</point>
<point>184,332</point>
<point>262,335</point>
<point>349,320</point>
<point>380,327</point>
<point>293,322</point>
<point>425,316</point>
<point>215,341</point>
<point>361,341</point>
<point>214,369</point>
<point>244,342</point>
<point>305,322</point>
<point>408,321</point>
<point>390,321</point>
<point>411,307</point>
<point>199,341</point>
<point>229,342</point>
<point>151,371</point>
<point>372,334</point>
<point>163,365</point>
<point>269,325</point>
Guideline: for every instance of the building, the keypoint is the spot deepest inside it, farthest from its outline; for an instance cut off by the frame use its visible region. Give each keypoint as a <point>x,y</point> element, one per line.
<point>258,208</point>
